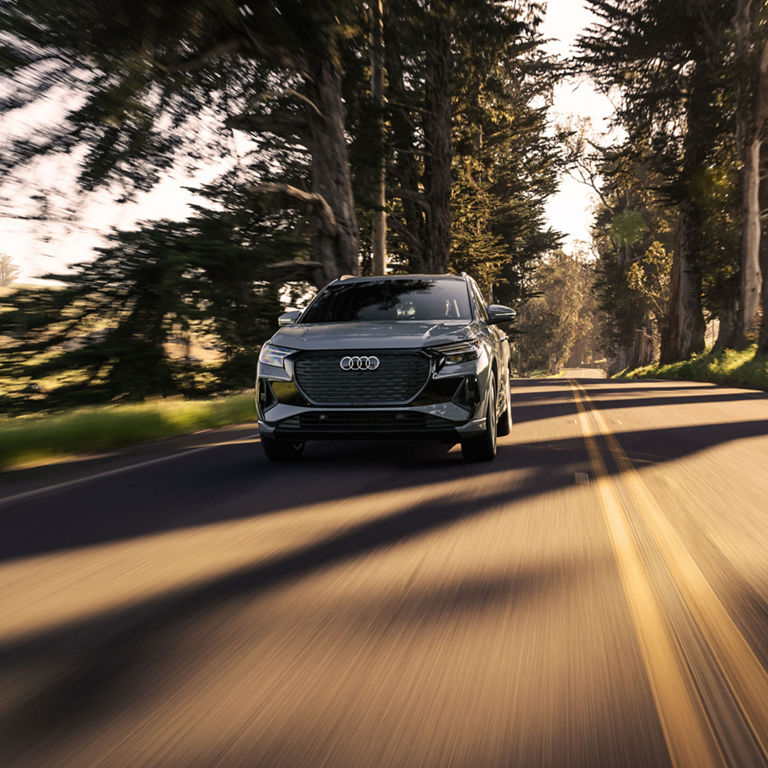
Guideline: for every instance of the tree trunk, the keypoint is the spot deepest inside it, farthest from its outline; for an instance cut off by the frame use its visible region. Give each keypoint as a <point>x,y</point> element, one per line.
<point>749,293</point>
<point>726,335</point>
<point>750,283</point>
<point>762,345</point>
<point>685,321</point>
<point>685,325</point>
<point>379,224</point>
<point>404,170</point>
<point>338,251</point>
<point>437,137</point>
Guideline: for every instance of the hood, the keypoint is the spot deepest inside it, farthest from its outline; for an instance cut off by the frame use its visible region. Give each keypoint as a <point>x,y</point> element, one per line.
<point>400,334</point>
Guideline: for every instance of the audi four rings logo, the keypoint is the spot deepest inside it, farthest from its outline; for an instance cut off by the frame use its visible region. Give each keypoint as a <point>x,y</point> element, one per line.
<point>359,363</point>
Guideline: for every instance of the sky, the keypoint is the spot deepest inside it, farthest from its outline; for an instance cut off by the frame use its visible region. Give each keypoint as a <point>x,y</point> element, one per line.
<point>569,211</point>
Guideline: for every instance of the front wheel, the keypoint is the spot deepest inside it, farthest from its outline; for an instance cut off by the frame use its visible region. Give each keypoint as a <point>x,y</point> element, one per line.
<point>483,446</point>
<point>281,450</point>
<point>505,420</point>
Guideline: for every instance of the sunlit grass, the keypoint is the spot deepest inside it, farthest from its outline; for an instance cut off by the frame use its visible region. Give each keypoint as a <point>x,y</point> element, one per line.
<point>741,368</point>
<point>96,429</point>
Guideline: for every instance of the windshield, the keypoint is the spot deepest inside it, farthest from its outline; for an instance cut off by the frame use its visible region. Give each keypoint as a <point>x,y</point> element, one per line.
<point>388,300</point>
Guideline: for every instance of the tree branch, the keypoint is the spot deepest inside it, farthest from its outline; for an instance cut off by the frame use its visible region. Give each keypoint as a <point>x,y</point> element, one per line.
<point>277,124</point>
<point>301,97</point>
<point>413,196</point>
<point>405,234</point>
<point>300,264</point>
<point>195,62</point>
<point>317,201</point>
<point>279,55</point>
<point>587,176</point>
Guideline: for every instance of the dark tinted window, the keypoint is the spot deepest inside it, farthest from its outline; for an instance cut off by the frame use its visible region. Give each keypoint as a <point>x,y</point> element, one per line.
<point>389,300</point>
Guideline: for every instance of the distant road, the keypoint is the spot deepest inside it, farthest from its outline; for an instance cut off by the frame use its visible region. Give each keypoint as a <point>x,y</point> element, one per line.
<point>597,596</point>
<point>584,373</point>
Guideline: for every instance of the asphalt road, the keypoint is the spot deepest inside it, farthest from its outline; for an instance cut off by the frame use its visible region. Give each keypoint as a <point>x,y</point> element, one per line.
<point>594,597</point>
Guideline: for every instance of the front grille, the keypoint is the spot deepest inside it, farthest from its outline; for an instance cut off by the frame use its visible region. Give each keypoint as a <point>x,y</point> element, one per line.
<point>364,422</point>
<point>398,379</point>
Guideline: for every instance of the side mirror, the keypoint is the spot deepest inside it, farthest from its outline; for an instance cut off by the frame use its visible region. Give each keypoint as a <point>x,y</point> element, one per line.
<point>498,313</point>
<point>288,318</point>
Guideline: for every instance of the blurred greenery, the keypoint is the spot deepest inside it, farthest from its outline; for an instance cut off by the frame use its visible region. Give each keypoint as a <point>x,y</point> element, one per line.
<point>172,307</point>
<point>33,439</point>
<point>738,368</point>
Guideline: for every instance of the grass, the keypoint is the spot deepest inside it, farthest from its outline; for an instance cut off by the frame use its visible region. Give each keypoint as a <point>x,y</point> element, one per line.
<point>36,439</point>
<point>740,368</point>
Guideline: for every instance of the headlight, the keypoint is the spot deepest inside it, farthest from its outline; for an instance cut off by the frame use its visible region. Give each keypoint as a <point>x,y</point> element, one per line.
<point>272,355</point>
<point>461,352</point>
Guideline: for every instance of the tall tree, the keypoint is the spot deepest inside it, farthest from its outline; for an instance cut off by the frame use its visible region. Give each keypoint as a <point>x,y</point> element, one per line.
<point>762,344</point>
<point>109,322</point>
<point>505,167</point>
<point>454,198</point>
<point>140,75</point>
<point>438,148</point>
<point>633,234</point>
<point>751,59</point>
<point>663,56</point>
<point>379,214</point>
<point>152,84</point>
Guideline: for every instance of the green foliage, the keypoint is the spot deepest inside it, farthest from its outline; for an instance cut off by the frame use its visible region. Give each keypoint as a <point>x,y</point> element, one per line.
<point>633,246</point>
<point>505,167</point>
<point>504,160</point>
<point>210,277</point>
<point>628,228</point>
<point>719,198</point>
<point>739,368</point>
<point>105,428</point>
<point>140,75</point>
<point>649,277</point>
<point>662,55</point>
<point>672,66</point>
<point>148,85</point>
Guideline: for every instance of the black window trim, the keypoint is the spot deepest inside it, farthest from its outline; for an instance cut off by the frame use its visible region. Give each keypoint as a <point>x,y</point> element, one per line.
<point>478,305</point>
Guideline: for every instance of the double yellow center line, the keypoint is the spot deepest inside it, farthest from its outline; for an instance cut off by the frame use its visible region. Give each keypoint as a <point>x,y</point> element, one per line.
<point>688,728</point>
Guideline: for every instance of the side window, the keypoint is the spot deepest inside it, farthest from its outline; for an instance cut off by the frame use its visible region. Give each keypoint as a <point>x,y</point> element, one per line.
<point>479,303</point>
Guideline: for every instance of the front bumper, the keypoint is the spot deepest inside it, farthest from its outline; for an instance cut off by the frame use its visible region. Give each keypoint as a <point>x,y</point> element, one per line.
<point>446,421</point>
<point>449,407</point>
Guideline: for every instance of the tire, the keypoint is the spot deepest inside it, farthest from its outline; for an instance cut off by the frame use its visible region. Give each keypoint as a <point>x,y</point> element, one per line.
<point>505,420</point>
<point>483,446</point>
<point>281,450</point>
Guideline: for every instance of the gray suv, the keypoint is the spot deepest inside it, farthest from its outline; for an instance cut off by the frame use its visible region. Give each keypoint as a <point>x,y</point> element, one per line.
<point>406,356</point>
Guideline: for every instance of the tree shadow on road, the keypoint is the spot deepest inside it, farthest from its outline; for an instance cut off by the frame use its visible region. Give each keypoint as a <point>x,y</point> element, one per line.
<point>541,403</point>
<point>109,658</point>
<point>236,482</point>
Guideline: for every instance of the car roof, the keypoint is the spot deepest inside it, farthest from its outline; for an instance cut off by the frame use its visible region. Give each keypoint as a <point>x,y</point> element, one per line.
<point>375,278</point>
